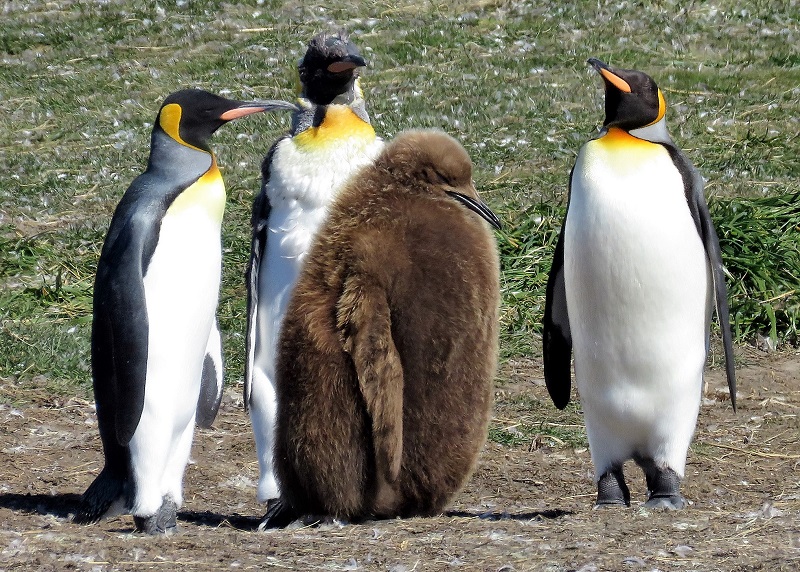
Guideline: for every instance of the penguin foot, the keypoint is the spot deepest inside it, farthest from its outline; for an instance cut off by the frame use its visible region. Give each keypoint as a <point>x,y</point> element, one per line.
<point>163,522</point>
<point>612,490</point>
<point>279,515</point>
<point>663,486</point>
<point>675,502</point>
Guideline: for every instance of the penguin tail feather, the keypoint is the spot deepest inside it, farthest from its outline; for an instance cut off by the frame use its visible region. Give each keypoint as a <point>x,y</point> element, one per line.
<point>106,489</point>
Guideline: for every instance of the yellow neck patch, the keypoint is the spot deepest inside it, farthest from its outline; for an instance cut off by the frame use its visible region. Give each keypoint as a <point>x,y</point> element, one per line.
<point>170,121</point>
<point>207,193</point>
<point>662,108</point>
<point>340,123</point>
<point>617,139</point>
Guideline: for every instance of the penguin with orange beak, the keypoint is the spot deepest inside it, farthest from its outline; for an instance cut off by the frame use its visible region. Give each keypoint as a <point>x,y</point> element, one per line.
<point>636,275</point>
<point>155,343</point>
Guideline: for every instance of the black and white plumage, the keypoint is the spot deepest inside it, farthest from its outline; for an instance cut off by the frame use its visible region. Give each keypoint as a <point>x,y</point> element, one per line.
<point>331,138</point>
<point>635,277</point>
<point>155,342</point>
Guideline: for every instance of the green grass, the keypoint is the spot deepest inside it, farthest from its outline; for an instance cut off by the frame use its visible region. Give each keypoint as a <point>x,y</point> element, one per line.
<point>80,83</point>
<point>522,421</point>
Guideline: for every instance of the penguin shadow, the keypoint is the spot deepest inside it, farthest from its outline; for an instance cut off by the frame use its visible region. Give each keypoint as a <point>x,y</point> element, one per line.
<point>216,520</point>
<point>550,514</point>
<point>251,523</point>
<point>60,505</point>
<point>66,505</point>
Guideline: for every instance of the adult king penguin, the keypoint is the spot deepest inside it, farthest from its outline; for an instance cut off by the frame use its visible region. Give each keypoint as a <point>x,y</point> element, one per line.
<point>636,271</point>
<point>154,335</point>
<point>330,139</point>
<point>389,345</point>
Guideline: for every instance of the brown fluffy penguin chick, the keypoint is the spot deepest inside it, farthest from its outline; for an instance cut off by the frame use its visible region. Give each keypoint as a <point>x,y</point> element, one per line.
<point>389,345</point>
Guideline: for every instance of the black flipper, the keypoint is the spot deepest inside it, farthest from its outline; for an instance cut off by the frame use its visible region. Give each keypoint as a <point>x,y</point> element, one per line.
<point>259,220</point>
<point>693,188</point>
<point>556,335</point>
<point>211,382</point>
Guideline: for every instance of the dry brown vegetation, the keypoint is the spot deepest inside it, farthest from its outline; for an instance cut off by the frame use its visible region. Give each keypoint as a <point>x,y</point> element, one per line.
<point>527,507</point>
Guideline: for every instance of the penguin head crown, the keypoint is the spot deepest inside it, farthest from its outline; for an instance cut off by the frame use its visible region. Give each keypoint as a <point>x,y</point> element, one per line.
<point>633,100</point>
<point>430,161</point>
<point>191,116</point>
<point>329,69</point>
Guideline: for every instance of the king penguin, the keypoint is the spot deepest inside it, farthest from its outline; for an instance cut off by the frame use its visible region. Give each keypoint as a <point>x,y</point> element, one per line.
<point>389,344</point>
<point>154,336</point>
<point>330,139</point>
<point>636,271</point>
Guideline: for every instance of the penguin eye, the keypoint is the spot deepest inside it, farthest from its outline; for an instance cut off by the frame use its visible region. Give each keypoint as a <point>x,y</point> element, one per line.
<point>442,178</point>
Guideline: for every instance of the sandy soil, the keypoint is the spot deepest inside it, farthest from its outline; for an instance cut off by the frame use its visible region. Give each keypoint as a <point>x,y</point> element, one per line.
<point>526,507</point>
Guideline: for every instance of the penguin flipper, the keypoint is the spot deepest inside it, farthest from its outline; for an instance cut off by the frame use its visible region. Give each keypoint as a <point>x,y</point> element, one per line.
<point>556,335</point>
<point>261,210</point>
<point>120,329</point>
<point>364,318</point>
<point>211,381</point>
<point>695,198</point>
<point>258,247</point>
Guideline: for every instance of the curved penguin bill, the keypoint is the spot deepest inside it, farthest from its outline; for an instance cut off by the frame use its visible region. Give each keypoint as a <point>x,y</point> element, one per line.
<point>633,103</point>
<point>477,206</point>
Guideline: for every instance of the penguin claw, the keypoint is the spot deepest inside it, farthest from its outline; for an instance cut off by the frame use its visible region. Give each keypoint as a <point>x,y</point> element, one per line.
<point>674,502</point>
<point>279,515</point>
<point>164,522</point>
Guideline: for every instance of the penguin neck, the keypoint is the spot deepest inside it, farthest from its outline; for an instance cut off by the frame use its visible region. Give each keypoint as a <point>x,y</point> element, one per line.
<point>655,132</point>
<point>176,161</point>
<point>318,126</point>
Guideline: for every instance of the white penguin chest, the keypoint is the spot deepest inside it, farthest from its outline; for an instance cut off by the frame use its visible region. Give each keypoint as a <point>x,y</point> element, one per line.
<point>304,180</point>
<point>182,279</point>
<point>636,272</point>
<point>302,184</point>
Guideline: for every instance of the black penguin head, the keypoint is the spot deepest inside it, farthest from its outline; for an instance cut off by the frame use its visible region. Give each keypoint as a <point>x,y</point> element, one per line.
<point>329,68</point>
<point>431,161</point>
<point>633,99</point>
<point>191,116</point>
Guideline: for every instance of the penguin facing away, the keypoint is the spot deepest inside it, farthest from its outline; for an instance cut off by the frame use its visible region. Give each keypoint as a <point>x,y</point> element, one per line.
<point>154,334</point>
<point>389,344</point>
<point>330,139</point>
<point>635,276</point>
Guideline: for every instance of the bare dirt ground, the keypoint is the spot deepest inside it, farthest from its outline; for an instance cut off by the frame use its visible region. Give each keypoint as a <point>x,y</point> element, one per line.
<point>526,507</point>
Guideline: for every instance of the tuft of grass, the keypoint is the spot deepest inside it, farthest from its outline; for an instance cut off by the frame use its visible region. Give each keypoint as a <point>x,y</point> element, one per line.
<point>523,421</point>
<point>760,241</point>
<point>526,251</point>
